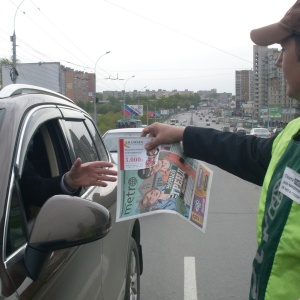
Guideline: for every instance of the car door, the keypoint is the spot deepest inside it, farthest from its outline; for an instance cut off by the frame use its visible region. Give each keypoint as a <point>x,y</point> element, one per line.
<point>73,273</point>
<point>84,139</point>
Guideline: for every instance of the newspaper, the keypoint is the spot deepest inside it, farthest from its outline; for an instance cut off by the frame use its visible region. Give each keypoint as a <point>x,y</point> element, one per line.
<point>161,180</point>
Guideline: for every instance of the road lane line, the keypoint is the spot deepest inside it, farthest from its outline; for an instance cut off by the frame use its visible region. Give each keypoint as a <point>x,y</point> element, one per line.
<point>190,286</point>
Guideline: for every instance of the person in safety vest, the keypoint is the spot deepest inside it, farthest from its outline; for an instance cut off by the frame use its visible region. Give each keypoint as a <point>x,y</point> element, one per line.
<point>273,163</point>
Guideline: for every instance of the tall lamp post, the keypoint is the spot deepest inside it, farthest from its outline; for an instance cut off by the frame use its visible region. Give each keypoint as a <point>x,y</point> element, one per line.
<point>13,72</point>
<point>124,115</point>
<point>95,98</point>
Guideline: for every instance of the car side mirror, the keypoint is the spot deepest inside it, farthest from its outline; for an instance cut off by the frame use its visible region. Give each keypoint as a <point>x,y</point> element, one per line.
<point>63,222</point>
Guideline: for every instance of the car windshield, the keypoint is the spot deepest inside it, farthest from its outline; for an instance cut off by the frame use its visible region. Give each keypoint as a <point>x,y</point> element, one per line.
<point>111,139</point>
<point>262,130</point>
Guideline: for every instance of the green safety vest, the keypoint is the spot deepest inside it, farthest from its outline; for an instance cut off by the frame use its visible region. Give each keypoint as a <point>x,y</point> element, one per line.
<point>276,266</point>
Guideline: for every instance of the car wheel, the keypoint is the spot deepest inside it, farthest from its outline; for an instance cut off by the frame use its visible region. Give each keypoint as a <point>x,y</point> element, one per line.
<point>133,273</point>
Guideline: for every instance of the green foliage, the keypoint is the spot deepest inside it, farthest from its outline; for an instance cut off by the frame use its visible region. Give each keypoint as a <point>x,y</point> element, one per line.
<point>99,96</point>
<point>108,121</point>
<point>87,106</point>
<point>5,61</point>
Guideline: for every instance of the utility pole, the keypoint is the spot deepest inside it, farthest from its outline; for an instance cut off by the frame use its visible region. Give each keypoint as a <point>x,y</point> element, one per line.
<point>13,72</point>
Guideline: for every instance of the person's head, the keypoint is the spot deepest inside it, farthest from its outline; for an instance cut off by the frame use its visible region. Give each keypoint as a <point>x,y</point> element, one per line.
<point>286,33</point>
<point>150,198</point>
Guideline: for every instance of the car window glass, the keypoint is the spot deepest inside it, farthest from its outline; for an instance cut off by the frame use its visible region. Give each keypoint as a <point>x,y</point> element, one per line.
<point>99,144</point>
<point>81,141</point>
<point>111,142</point>
<point>16,229</point>
<point>46,157</point>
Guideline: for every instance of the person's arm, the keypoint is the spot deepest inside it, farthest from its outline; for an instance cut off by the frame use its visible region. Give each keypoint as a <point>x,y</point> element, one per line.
<point>36,189</point>
<point>245,156</point>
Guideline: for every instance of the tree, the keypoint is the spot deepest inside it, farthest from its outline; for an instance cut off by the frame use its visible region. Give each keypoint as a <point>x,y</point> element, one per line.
<point>3,62</point>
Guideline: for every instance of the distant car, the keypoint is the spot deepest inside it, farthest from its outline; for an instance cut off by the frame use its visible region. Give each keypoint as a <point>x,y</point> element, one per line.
<point>260,132</point>
<point>207,124</point>
<point>226,129</point>
<point>241,130</point>
<point>111,139</point>
<point>276,131</point>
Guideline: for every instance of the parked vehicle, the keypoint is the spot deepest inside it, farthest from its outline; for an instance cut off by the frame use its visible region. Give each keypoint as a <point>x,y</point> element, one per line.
<point>71,248</point>
<point>111,139</point>
<point>260,132</point>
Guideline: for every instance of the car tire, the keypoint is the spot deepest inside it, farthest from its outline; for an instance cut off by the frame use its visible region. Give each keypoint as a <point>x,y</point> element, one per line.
<point>133,273</point>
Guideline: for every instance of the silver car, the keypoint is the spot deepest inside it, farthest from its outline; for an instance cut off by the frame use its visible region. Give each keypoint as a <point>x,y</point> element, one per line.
<point>71,247</point>
<point>260,132</point>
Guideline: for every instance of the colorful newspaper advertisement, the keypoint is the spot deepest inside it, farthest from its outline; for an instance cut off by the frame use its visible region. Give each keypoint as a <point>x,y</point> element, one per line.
<point>161,180</point>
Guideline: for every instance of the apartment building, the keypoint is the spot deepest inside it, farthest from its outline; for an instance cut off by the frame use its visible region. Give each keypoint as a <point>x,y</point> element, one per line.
<point>270,102</point>
<point>243,87</point>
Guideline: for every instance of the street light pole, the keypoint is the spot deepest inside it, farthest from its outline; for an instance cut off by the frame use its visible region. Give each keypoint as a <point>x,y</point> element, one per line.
<point>124,115</point>
<point>95,98</point>
<point>13,72</point>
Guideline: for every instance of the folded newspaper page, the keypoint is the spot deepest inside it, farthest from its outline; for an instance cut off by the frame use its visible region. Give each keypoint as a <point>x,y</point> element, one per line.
<point>162,180</point>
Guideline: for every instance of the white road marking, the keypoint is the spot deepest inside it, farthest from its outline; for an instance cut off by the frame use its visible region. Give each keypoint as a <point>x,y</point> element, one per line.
<point>190,286</point>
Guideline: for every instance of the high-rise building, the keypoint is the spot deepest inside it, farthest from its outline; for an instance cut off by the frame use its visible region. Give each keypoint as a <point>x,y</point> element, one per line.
<point>243,84</point>
<point>270,102</point>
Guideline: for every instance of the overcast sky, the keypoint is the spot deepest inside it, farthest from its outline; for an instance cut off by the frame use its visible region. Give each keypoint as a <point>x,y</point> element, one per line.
<point>164,44</point>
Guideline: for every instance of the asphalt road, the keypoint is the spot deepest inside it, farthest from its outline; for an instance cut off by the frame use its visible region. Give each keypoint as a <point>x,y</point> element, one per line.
<point>213,265</point>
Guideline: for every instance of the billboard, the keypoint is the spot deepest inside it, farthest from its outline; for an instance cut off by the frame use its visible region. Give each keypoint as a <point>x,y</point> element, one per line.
<point>132,110</point>
<point>154,114</point>
<point>45,75</point>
